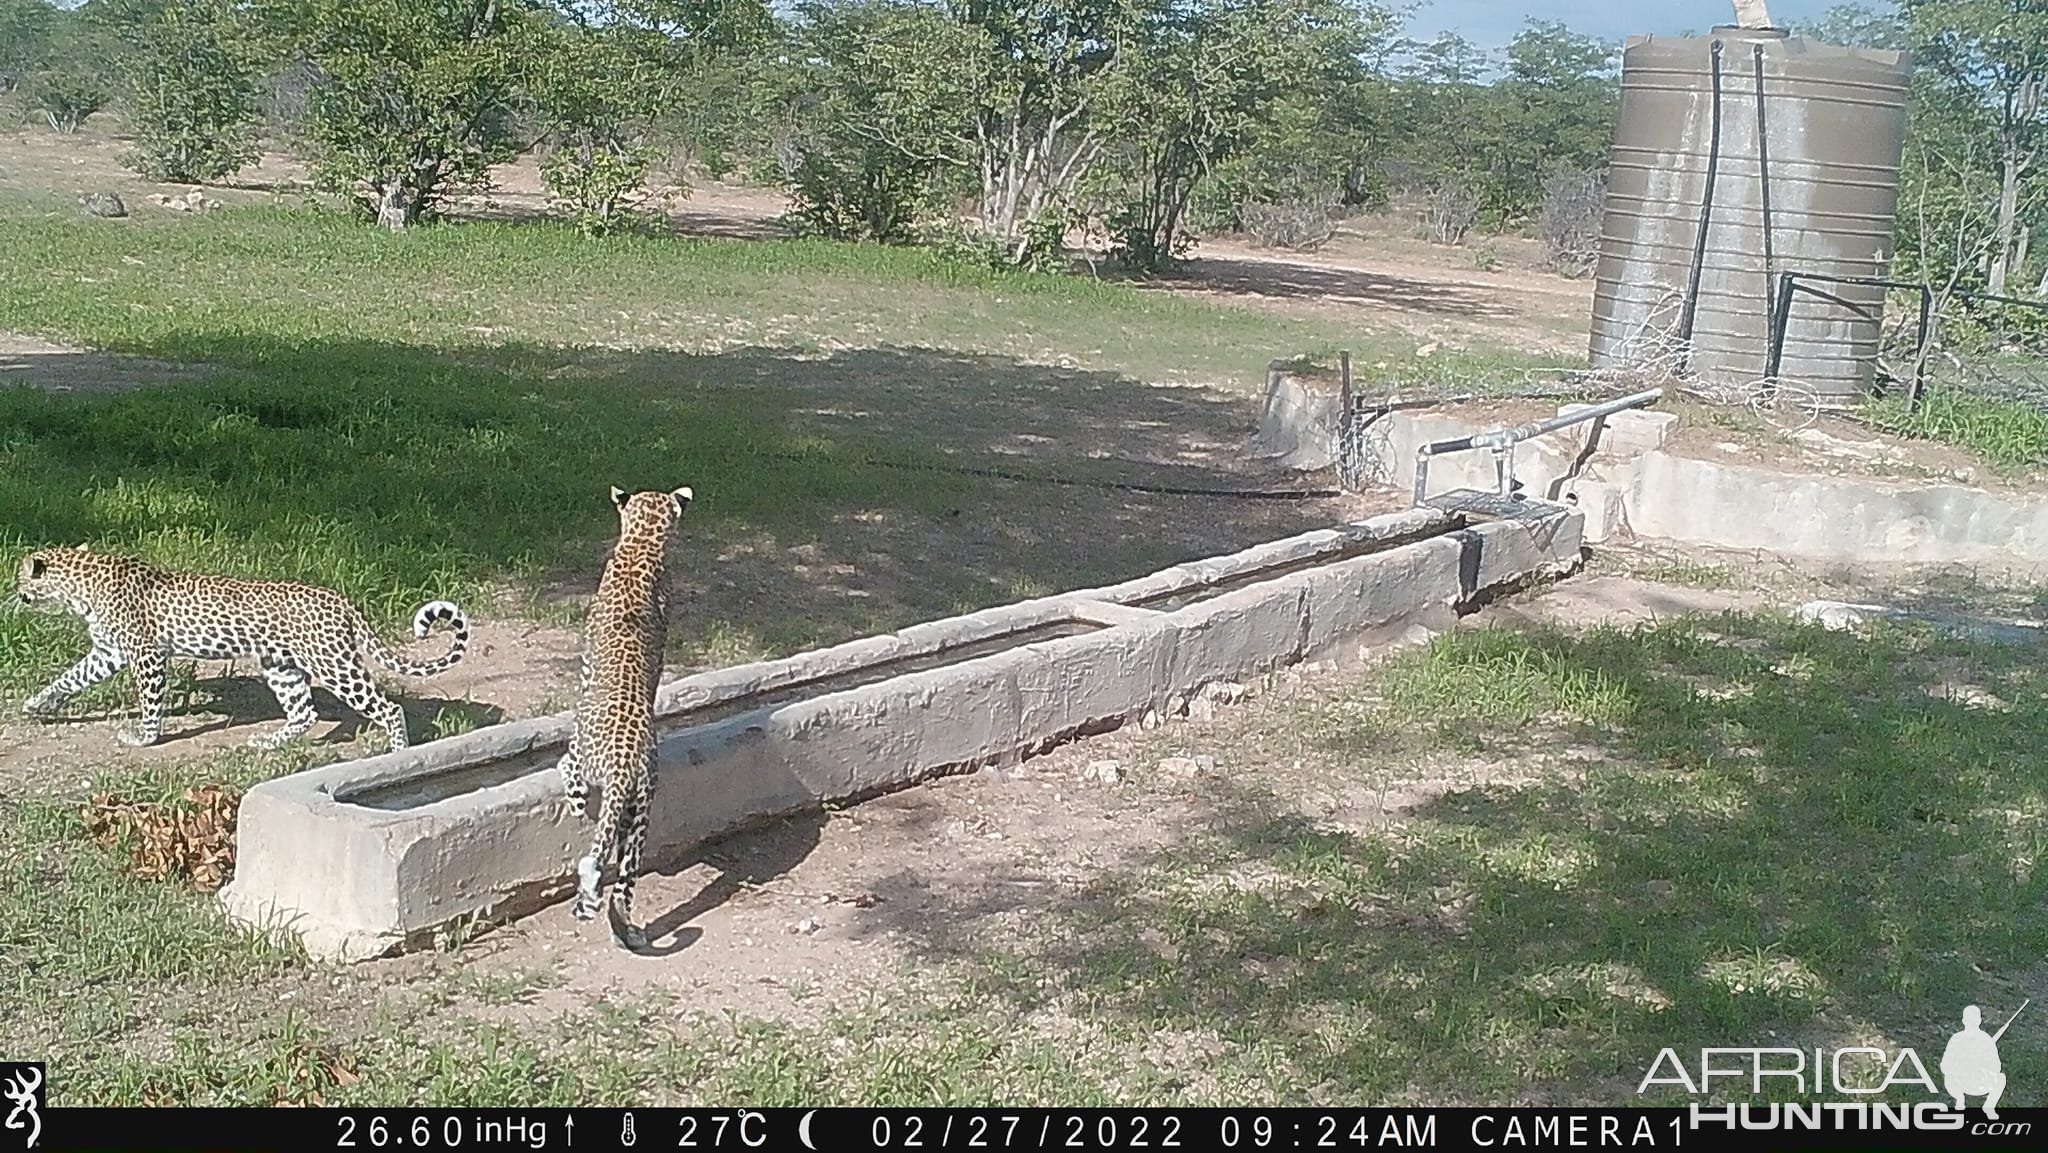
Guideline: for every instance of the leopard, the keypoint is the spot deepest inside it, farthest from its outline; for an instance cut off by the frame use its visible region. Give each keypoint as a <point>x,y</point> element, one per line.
<point>612,735</point>
<point>140,616</point>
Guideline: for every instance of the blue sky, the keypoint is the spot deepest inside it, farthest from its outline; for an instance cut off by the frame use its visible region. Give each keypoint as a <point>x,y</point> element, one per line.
<point>1492,23</point>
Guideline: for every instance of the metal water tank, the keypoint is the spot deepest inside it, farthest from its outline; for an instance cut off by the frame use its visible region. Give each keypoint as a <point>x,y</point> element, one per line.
<point>1738,156</point>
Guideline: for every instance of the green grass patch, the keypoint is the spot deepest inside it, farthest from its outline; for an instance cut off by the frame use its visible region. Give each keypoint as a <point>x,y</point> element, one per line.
<point>178,287</point>
<point>439,413</point>
<point>1712,832</point>
<point>2009,436</point>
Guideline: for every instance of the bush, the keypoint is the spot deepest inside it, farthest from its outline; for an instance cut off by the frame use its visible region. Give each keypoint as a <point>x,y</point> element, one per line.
<point>1297,225</point>
<point>191,78</point>
<point>1569,224</point>
<point>66,100</point>
<point>856,192</point>
<point>1450,209</point>
<point>596,188</point>
<point>411,101</point>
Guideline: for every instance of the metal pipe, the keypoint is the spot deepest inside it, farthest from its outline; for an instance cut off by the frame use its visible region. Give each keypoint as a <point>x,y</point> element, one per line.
<point>1501,439</point>
<point>1763,178</point>
<point>1699,250</point>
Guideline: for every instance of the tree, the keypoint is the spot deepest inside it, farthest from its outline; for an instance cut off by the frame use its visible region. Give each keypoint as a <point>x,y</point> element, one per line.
<point>1199,81</point>
<point>873,100</point>
<point>413,100</point>
<point>189,71</point>
<point>1561,94</point>
<point>989,97</point>
<point>57,61</point>
<point>601,76</point>
<point>1987,61</point>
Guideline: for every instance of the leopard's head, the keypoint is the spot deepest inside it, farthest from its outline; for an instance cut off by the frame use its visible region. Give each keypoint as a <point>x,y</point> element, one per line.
<point>650,514</point>
<point>54,579</point>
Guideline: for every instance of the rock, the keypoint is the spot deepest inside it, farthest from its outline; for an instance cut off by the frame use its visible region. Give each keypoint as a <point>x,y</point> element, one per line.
<point>1150,721</point>
<point>1108,772</point>
<point>193,201</point>
<point>1227,692</point>
<point>103,204</point>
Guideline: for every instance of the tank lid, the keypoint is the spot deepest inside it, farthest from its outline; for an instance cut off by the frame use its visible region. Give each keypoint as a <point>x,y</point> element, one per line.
<point>1771,33</point>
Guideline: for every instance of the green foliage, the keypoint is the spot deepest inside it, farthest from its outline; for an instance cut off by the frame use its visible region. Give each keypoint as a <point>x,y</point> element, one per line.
<point>66,98</point>
<point>1496,145</point>
<point>28,30</point>
<point>53,64</point>
<point>870,113</point>
<point>601,77</point>
<point>594,96</point>
<point>189,69</point>
<point>415,99</point>
<point>1200,83</point>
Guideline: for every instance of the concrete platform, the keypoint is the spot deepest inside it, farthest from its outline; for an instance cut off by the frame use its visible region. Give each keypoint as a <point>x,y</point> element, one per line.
<point>1627,480</point>
<point>374,856</point>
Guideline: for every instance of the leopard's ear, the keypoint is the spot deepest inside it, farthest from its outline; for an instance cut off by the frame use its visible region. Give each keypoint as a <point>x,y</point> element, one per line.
<point>618,496</point>
<point>683,496</point>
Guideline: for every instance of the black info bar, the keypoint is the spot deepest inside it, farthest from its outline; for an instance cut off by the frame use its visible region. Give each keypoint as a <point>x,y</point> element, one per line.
<point>1848,1125</point>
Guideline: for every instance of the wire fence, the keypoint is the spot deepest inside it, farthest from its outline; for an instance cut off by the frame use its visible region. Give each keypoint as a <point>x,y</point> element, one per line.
<point>1981,345</point>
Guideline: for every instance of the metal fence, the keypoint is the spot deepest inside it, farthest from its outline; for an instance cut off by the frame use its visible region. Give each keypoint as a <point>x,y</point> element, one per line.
<point>1933,340</point>
<point>1363,445</point>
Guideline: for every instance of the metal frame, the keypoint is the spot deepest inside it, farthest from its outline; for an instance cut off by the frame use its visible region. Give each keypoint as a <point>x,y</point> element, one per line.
<point>1501,442</point>
<point>1356,415</point>
<point>1791,283</point>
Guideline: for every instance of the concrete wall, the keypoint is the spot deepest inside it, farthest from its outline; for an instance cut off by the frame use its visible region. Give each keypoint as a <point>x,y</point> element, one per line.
<point>1630,481</point>
<point>364,858</point>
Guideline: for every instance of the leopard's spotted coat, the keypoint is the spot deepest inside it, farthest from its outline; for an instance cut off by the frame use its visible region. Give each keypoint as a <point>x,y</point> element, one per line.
<point>613,738</point>
<point>140,617</point>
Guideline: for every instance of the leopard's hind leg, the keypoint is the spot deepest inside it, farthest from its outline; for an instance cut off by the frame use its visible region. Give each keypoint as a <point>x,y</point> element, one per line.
<point>353,686</point>
<point>632,842</point>
<point>294,692</point>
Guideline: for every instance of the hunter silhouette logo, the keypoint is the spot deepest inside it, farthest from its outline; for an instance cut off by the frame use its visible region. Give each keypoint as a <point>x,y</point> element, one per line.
<point>1970,1066</point>
<point>22,1086</point>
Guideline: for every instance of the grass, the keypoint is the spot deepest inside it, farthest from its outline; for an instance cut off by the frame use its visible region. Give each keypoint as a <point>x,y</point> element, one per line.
<point>439,413</point>
<point>2010,436</point>
<point>1729,831</point>
<point>1712,831</point>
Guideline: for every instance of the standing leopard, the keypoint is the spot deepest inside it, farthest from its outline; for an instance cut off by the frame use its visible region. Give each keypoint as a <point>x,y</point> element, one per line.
<point>140,616</point>
<point>613,737</point>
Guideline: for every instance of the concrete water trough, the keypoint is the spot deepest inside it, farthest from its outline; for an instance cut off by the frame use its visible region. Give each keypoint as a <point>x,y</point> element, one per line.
<point>374,856</point>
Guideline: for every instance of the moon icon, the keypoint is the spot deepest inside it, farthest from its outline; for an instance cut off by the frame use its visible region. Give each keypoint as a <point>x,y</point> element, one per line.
<point>803,1129</point>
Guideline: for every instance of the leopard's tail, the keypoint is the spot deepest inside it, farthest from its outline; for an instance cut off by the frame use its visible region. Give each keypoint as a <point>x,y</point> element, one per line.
<point>423,622</point>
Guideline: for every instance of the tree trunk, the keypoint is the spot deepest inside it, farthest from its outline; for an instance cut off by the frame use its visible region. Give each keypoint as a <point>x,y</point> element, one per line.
<point>394,207</point>
<point>2008,215</point>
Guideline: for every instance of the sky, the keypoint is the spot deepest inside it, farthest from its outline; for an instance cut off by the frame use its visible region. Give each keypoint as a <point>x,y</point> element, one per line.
<point>1490,24</point>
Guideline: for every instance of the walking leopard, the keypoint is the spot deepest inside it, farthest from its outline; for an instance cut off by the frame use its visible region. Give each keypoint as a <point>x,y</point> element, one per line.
<point>140,616</point>
<point>613,737</point>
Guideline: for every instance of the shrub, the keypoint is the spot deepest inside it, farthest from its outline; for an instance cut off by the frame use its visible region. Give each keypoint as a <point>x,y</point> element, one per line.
<point>1569,224</point>
<point>191,74</point>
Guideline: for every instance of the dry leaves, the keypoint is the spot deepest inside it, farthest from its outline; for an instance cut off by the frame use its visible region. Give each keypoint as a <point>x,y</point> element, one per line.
<point>192,837</point>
